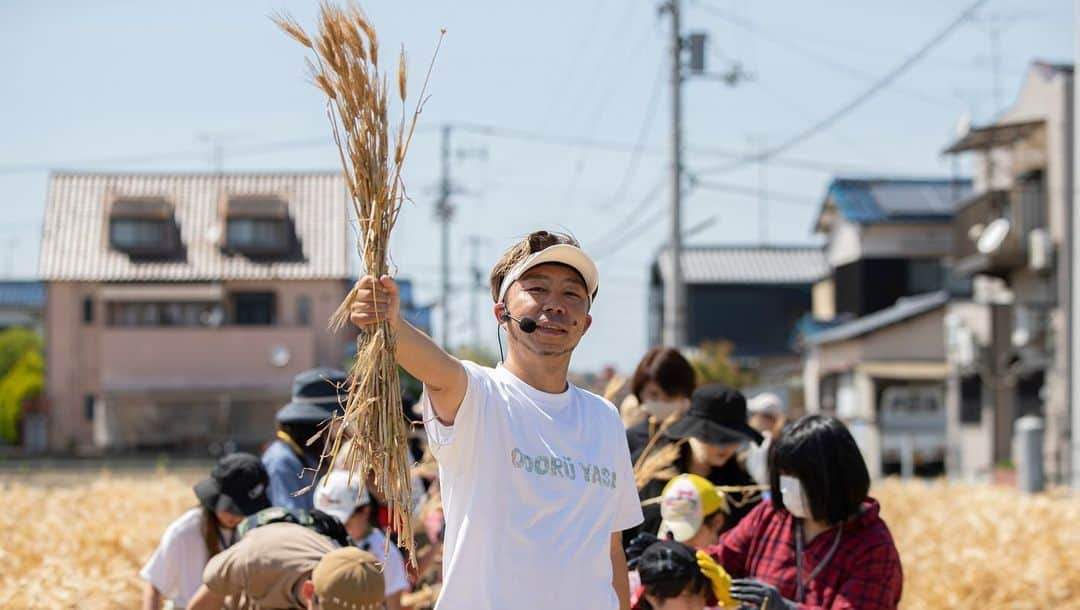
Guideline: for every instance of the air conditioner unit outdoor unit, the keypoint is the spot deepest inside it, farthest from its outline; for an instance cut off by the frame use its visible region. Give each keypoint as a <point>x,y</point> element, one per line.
<point>1040,250</point>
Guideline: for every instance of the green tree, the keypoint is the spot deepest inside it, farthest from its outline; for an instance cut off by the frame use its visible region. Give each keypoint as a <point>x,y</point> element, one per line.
<point>713,363</point>
<point>22,376</point>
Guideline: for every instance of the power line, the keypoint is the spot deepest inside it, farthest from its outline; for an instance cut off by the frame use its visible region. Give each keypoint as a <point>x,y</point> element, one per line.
<point>880,84</point>
<point>619,226</point>
<point>750,191</point>
<point>802,51</point>
<point>635,153</point>
<point>633,233</point>
<point>593,120</point>
<point>574,62</point>
<point>494,131</point>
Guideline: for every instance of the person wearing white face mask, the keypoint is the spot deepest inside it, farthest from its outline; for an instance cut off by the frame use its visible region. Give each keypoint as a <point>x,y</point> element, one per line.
<point>819,542</point>
<point>710,435</point>
<point>662,384</point>
<point>766,412</point>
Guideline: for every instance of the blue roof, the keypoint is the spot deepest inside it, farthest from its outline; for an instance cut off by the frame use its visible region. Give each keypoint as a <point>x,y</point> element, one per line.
<point>904,309</point>
<point>29,294</point>
<point>882,200</point>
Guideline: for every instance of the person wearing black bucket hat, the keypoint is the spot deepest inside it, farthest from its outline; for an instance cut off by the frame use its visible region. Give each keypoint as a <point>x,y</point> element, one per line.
<point>710,436</point>
<point>291,459</point>
<point>236,488</point>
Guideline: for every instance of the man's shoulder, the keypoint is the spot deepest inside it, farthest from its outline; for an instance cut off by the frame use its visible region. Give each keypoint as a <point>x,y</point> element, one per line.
<point>597,405</point>
<point>278,453</point>
<point>593,397</point>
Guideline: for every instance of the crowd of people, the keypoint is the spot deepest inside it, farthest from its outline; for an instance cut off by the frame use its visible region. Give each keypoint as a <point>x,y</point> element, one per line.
<point>531,492</point>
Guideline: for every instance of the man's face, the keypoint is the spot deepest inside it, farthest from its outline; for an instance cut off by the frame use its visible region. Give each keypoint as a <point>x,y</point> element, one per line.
<point>556,297</point>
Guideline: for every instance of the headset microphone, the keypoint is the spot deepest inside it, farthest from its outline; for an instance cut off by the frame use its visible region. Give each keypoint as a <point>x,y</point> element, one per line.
<point>527,325</point>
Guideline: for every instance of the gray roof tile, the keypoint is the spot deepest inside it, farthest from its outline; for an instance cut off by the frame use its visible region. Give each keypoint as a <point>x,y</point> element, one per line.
<point>749,265</point>
<point>75,242</point>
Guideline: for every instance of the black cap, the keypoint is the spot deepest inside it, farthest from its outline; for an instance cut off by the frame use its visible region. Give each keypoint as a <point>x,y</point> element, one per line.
<point>717,416</point>
<point>237,484</point>
<point>666,561</point>
<point>317,394</point>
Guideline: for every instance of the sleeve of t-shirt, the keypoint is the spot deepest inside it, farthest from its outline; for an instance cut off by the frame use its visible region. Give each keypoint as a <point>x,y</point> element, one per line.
<point>162,570</point>
<point>221,573</point>
<point>394,572</point>
<point>628,506</point>
<point>467,419</point>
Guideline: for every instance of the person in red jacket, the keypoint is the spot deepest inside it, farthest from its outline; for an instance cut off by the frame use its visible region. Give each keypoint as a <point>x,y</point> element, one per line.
<point>820,542</point>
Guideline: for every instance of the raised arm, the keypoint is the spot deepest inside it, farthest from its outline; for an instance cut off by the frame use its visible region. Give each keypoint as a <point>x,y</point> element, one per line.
<point>443,376</point>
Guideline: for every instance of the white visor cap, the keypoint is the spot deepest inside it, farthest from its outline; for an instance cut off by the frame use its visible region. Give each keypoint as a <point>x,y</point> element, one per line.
<point>565,254</point>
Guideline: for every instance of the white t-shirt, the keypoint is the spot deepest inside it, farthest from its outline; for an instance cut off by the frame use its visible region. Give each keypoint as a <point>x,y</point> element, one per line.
<point>393,565</point>
<point>176,567</point>
<point>533,485</point>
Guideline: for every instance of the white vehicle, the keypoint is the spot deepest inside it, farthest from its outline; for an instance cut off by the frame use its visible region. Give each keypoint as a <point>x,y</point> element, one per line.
<point>912,418</point>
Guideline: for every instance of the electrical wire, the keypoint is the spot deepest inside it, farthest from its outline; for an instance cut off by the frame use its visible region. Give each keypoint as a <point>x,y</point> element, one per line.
<point>883,82</point>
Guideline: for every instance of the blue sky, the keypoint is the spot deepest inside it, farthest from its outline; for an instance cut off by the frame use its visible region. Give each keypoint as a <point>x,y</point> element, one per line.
<point>145,83</point>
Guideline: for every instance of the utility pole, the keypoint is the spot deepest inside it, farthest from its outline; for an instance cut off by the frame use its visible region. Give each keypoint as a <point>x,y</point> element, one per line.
<point>1074,282</point>
<point>443,213</point>
<point>477,286</point>
<point>674,334</point>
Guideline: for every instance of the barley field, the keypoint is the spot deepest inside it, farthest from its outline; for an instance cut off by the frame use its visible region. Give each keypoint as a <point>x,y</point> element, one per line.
<point>78,539</point>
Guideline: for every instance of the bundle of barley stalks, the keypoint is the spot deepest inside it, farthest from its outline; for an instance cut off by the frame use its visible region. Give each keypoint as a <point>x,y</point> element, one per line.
<point>345,66</point>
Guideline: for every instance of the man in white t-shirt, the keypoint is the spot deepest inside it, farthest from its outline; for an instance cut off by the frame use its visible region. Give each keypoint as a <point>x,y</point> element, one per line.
<point>535,473</point>
<point>342,496</point>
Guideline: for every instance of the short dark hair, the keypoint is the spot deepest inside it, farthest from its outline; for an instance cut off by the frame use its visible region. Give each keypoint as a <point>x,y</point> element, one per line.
<point>667,368</point>
<point>668,589</point>
<point>820,452</point>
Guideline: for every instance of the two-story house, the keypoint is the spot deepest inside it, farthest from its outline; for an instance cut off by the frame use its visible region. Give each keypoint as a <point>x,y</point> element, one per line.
<point>179,307</point>
<point>750,296</point>
<point>877,359</point>
<point>1008,337</point>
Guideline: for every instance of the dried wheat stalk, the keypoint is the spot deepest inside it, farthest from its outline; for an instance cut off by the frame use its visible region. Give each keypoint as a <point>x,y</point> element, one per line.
<point>658,465</point>
<point>346,69</point>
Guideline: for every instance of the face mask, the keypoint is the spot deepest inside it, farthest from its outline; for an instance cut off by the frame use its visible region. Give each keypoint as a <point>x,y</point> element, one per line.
<point>791,492</point>
<point>661,409</point>
<point>757,461</point>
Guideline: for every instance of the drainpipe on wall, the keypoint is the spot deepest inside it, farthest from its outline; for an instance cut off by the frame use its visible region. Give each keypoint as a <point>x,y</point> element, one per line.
<point>1074,299</point>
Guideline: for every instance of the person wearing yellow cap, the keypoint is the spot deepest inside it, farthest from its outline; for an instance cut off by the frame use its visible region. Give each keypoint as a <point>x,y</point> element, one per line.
<point>692,511</point>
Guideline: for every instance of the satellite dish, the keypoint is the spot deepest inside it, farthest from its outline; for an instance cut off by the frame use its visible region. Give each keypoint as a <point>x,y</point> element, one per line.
<point>279,356</point>
<point>993,236</point>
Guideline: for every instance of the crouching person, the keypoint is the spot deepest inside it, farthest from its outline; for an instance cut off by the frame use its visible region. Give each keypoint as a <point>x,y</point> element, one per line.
<point>295,560</point>
<point>342,496</point>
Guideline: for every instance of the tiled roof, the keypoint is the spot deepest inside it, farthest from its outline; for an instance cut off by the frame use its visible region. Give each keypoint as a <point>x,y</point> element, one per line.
<point>75,241</point>
<point>27,294</point>
<point>905,308</point>
<point>749,265</point>
<point>882,200</point>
